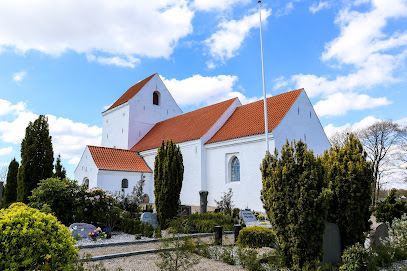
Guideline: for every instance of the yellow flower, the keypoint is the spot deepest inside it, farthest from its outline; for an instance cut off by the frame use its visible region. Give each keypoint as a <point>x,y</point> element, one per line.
<point>47,256</point>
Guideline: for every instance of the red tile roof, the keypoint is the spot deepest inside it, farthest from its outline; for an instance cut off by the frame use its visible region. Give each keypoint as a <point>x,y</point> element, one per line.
<point>248,119</point>
<point>185,127</point>
<point>118,159</point>
<point>131,92</point>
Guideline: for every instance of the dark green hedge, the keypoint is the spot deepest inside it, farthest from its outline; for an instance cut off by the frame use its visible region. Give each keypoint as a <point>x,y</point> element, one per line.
<point>256,237</point>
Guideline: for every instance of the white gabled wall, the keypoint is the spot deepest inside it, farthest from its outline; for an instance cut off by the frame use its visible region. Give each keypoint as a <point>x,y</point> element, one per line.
<point>111,180</point>
<point>144,114</point>
<point>250,151</point>
<point>86,169</point>
<point>301,122</point>
<point>115,132</point>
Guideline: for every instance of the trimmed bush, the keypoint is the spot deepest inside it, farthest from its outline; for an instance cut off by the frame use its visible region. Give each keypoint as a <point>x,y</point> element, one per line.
<point>256,237</point>
<point>135,226</point>
<point>205,223</point>
<point>31,240</point>
<point>354,258</point>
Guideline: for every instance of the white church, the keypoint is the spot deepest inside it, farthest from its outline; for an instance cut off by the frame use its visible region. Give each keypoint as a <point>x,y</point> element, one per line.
<point>222,144</point>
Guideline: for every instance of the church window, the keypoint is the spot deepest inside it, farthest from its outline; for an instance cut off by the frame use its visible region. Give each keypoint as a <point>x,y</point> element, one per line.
<point>125,183</point>
<point>309,114</point>
<point>235,170</point>
<point>156,97</point>
<point>86,182</point>
<point>298,110</point>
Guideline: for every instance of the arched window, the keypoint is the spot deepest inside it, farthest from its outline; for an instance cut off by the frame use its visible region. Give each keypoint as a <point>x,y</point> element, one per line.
<point>235,170</point>
<point>86,182</point>
<point>156,97</point>
<point>125,183</point>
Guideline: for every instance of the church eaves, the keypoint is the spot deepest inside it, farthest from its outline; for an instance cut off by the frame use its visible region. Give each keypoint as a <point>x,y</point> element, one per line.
<point>118,159</point>
<point>131,92</point>
<point>248,119</point>
<point>186,127</point>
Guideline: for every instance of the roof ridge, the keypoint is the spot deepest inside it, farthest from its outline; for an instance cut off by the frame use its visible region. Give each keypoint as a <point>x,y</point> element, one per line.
<point>275,96</point>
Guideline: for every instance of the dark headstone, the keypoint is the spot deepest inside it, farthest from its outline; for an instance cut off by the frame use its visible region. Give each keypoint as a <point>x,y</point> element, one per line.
<point>184,211</point>
<point>149,218</point>
<point>83,229</point>
<point>247,216</point>
<point>332,244</point>
<point>218,235</point>
<point>204,201</point>
<point>380,232</point>
<point>237,231</point>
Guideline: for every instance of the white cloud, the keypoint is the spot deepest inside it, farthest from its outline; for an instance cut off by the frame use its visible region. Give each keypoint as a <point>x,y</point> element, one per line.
<point>218,5</point>
<point>19,76</point>
<point>340,103</point>
<point>4,164</point>
<point>367,50</point>
<point>120,28</point>
<point>6,107</point>
<point>330,129</point>
<point>129,62</point>
<point>317,7</point>
<point>225,43</point>
<point>6,151</point>
<point>69,138</point>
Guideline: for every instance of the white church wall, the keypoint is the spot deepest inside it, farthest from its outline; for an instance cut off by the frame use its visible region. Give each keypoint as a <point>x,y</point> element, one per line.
<point>250,151</point>
<point>144,114</point>
<point>301,122</point>
<point>116,127</point>
<point>191,154</point>
<point>111,180</point>
<point>86,169</point>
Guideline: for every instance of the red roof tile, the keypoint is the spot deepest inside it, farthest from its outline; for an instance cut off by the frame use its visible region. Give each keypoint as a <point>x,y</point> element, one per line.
<point>185,127</point>
<point>248,119</point>
<point>131,92</point>
<point>118,159</point>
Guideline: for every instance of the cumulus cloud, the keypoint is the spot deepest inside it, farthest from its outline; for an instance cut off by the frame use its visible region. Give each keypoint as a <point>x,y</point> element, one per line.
<point>317,7</point>
<point>129,62</point>
<point>209,5</point>
<point>7,107</point>
<point>6,151</point>
<point>226,42</point>
<point>123,29</point>
<point>367,48</point>
<point>69,138</point>
<point>19,76</point>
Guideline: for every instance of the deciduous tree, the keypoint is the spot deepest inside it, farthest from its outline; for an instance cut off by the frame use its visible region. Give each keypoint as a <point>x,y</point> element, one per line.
<point>168,176</point>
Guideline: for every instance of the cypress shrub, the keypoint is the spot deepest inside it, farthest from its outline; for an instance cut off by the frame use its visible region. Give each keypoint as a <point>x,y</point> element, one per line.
<point>10,193</point>
<point>256,237</point>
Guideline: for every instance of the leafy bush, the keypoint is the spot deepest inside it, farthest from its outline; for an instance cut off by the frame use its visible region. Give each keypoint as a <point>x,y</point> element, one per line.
<point>354,258</point>
<point>389,209</point>
<point>64,197</point>
<point>97,206</point>
<point>31,240</point>
<point>398,232</point>
<point>248,259</point>
<point>130,202</point>
<point>205,223</point>
<point>256,237</point>
<point>225,205</point>
<point>135,226</point>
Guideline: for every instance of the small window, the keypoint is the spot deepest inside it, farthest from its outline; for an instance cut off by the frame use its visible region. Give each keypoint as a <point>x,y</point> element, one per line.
<point>156,97</point>
<point>86,182</point>
<point>298,110</point>
<point>125,183</point>
<point>235,170</point>
<point>309,114</point>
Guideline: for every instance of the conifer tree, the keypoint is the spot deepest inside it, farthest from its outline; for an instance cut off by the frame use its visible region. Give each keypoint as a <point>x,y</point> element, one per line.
<point>10,193</point>
<point>168,176</point>
<point>37,158</point>
<point>350,178</point>
<point>295,198</point>
<point>60,171</point>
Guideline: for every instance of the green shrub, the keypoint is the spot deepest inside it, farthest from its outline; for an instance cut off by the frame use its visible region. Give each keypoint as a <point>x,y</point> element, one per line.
<point>64,197</point>
<point>389,209</point>
<point>398,232</point>
<point>256,237</point>
<point>248,259</point>
<point>135,226</point>
<point>31,240</point>
<point>97,206</point>
<point>205,223</point>
<point>354,258</point>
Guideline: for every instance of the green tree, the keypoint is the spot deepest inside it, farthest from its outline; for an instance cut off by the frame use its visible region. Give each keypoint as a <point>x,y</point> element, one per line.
<point>389,209</point>
<point>10,193</point>
<point>168,176</point>
<point>295,198</point>
<point>60,171</point>
<point>37,158</point>
<point>350,178</point>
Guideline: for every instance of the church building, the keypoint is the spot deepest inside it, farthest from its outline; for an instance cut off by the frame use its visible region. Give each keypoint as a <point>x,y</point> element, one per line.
<point>222,144</point>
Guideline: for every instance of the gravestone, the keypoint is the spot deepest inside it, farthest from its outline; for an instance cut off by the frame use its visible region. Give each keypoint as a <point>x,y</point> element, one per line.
<point>83,229</point>
<point>151,218</point>
<point>379,233</point>
<point>332,244</point>
<point>184,211</point>
<point>247,216</point>
<point>203,201</point>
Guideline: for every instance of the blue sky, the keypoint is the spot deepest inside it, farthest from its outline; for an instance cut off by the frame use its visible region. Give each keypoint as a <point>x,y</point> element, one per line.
<point>71,59</point>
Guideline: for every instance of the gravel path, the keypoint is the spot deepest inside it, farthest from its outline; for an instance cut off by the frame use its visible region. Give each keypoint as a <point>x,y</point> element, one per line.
<point>147,263</point>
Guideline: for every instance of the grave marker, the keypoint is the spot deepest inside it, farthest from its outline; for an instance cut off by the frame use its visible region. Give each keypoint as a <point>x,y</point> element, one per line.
<point>151,218</point>
<point>83,229</point>
<point>247,216</point>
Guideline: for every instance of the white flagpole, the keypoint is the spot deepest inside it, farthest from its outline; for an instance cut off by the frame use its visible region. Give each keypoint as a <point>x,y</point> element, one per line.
<point>266,126</point>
